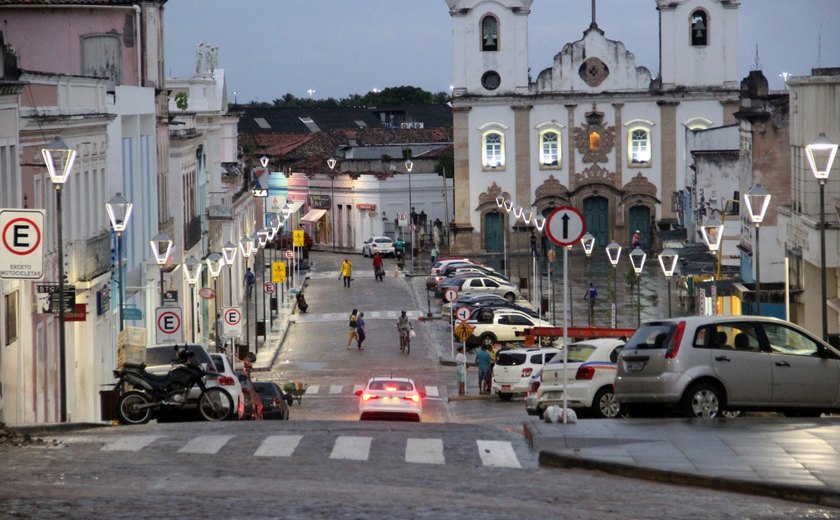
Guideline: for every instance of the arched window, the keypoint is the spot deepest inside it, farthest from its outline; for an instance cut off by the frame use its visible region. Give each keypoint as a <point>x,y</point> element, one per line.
<point>550,148</point>
<point>638,147</point>
<point>699,28</point>
<point>489,33</point>
<point>494,150</point>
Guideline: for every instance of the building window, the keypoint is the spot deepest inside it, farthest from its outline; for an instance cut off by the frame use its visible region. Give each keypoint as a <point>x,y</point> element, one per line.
<point>699,28</point>
<point>102,57</point>
<point>550,148</point>
<point>489,33</point>
<point>11,317</point>
<point>594,140</point>
<point>639,147</point>
<point>494,150</point>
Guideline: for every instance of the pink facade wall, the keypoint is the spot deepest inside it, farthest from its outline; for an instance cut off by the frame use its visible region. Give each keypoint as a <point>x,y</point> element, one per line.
<point>50,39</point>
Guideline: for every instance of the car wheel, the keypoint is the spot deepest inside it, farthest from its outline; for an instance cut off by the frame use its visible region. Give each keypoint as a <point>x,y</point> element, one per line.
<point>510,297</point>
<point>703,400</point>
<point>605,405</point>
<point>505,396</point>
<point>215,405</point>
<point>540,412</point>
<point>488,338</point>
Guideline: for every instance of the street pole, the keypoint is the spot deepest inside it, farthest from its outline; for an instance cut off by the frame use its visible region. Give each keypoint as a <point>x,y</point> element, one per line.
<point>120,281</point>
<point>822,263</point>
<point>192,312</point>
<point>62,344</point>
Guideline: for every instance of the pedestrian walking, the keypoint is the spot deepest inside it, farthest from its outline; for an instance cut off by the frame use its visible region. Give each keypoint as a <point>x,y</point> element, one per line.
<point>378,268</point>
<point>533,241</point>
<point>637,239</point>
<point>360,330</point>
<point>482,360</point>
<point>351,333</point>
<point>250,278</point>
<point>405,329</point>
<point>435,253</point>
<point>461,371</point>
<point>346,272</point>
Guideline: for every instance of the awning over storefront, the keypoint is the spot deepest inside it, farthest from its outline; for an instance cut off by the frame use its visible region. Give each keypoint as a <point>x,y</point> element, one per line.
<point>314,215</point>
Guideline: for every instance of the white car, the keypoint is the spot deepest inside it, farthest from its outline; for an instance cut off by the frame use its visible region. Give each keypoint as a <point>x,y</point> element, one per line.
<point>488,285</point>
<point>390,397</point>
<point>228,380</point>
<point>503,326</point>
<point>382,245</point>
<point>441,264</point>
<point>590,376</point>
<point>515,367</point>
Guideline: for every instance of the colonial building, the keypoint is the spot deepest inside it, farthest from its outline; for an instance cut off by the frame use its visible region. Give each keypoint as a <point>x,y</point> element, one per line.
<point>594,129</point>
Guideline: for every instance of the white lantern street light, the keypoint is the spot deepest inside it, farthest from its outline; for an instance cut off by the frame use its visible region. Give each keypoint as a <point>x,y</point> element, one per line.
<point>331,162</point>
<point>119,211</point>
<point>668,262</point>
<point>614,253</point>
<point>161,249</point>
<point>757,200</point>
<point>192,268</point>
<point>229,251</point>
<point>712,233</point>
<point>821,155</point>
<point>637,258</point>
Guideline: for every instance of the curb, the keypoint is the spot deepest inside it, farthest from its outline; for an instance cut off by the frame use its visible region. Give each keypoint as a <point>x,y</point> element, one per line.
<point>43,429</point>
<point>553,459</point>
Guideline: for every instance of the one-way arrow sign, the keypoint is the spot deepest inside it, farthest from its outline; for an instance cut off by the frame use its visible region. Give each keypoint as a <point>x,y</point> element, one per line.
<point>565,226</point>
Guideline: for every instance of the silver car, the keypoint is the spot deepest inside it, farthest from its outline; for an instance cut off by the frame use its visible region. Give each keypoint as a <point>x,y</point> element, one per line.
<point>489,285</point>
<point>705,365</point>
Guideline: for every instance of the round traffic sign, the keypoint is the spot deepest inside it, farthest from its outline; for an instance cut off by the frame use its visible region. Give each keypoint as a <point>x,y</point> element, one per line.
<point>21,236</point>
<point>269,288</point>
<point>289,253</point>
<point>463,313</point>
<point>565,226</point>
<point>450,295</point>
<point>169,322</point>
<point>233,316</point>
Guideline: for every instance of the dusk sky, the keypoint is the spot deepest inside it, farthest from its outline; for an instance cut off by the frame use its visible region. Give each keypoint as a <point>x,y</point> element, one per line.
<point>343,47</point>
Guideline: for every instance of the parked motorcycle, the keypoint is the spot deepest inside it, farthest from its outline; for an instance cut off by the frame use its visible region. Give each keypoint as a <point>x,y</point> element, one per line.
<point>158,393</point>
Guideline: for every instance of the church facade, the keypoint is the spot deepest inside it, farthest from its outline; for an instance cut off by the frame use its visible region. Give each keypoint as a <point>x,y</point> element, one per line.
<point>594,130</point>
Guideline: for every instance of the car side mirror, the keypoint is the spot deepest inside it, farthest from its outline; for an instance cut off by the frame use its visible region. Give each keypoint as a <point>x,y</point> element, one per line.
<point>358,393</point>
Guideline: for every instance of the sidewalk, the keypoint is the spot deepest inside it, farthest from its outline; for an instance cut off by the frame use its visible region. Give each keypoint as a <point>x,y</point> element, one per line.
<point>791,459</point>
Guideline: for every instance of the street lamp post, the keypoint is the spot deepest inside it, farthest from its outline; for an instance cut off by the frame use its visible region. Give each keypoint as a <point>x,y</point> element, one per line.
<point>331,163</point>
<point>59,161</point>
<point>668,263</point>
<point>193,269</point>
<point>119,211</point>
<point>246,247</point>
<point>229,252</point>
<point>821,155</point>
<point>255,248</point>
<point>409,165</point>
<point>614,253</point>
<point>262,238</point>
<point>637,258</point>
<point>161,248</point>
<point>215,263</point>
<point>588,242</point>
<point>757,200</point>
<point>712,232</point>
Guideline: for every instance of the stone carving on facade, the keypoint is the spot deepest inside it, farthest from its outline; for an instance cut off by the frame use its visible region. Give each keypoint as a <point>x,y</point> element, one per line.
<point>593,139</point>
<point>595,174</point>
<point>490,196</point>
<point>551,190</point>
<point>639,186</point>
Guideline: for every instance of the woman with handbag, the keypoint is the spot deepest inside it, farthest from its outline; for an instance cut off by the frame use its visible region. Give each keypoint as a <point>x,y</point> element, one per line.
<point>352,334</point>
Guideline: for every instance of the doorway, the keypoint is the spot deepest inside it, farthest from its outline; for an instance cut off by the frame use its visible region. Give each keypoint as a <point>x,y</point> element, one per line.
<point>596,215</point>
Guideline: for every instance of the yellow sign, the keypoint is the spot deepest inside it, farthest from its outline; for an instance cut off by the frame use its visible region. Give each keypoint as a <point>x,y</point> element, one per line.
<point>463,331</point>
<point>297,238</point>
<point>278,272</point>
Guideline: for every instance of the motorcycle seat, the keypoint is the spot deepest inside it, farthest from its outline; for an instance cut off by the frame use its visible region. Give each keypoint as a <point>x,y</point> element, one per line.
<point>164,378</point>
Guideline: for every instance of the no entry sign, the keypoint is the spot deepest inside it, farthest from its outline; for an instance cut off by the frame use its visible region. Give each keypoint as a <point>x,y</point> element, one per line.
<point>168,325</point>
<point>22,244</point>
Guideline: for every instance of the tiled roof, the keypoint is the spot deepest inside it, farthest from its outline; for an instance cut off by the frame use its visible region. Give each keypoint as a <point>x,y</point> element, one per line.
<point>258,120</point>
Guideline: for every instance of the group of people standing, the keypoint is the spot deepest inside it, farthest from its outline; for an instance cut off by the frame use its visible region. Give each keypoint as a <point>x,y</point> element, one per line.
<point>357,330</point>
<point>485,359</point>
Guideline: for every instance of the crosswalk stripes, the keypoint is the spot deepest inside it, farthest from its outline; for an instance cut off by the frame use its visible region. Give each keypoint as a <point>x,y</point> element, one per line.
<point>342,316</point>
<point>351,448</point>
<point>334,389</point>
<point>312,389</point>
<point>278,446</point>
<point>492,453</point>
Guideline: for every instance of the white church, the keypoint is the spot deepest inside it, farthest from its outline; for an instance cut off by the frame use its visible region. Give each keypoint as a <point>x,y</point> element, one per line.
<point>593,129</point>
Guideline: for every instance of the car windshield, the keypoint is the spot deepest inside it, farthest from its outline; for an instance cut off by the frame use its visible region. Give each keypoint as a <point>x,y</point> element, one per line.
<point>219,363</point>
<point>165,355</point>
<point>651,336</point>
<point>576,354</point>
<point>510,359</point>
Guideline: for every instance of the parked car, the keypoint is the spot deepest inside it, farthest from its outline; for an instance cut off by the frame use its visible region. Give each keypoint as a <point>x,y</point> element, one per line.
<point>275,402</point>
<point>469,300</point>
<point>253,403</point>
<point>505,304</point>
<point>443,262</point>
<point>159,359</point>
<point>503,326</point>
<point>453,282</point>
<point>230,382</point>
<point>514,368</point>
<point>457,268</point>
<point>286,240</point>
<point>382,245</point>
<point>590,374</point>
<point>436,275</point>
<point>488,284</point>
<point>704,365</point>
<point>390,397</point>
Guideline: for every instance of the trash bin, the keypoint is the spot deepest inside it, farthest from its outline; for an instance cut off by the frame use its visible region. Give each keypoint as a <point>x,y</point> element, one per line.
<point>273,303</point>
<point>108,404</point>
<point>261,328</point>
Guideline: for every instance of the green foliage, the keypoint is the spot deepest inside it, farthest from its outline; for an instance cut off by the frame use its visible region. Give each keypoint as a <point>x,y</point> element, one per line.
<point>404,95</point>
<point>182,100</point>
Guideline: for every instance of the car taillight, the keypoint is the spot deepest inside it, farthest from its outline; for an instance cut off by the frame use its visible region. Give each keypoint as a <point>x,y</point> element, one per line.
<point>278,402</point>
<point>526,372</point>
<point>535,385</point>
<point>368,396</point>
<point>585,373</point>
<point>412,397</point>
<point>225,380</point>
<point>675,341</point>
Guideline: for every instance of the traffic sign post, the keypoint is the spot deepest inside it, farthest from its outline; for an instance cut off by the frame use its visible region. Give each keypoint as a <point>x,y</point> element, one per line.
<point>463,331</point>
<point>278,272</point>
<point>168,329</point>
<point>450,295</point>
<point>463,313</point>
<point>269,288</point>
<point>232,322</point>
<point>22,244</point>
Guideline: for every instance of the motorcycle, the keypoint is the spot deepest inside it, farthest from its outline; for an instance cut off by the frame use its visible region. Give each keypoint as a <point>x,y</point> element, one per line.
<point>160,393</point>
<point>301,302</point>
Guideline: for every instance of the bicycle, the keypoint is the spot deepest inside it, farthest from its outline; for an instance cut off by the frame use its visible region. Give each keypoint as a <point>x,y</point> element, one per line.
<point>405,341</point>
